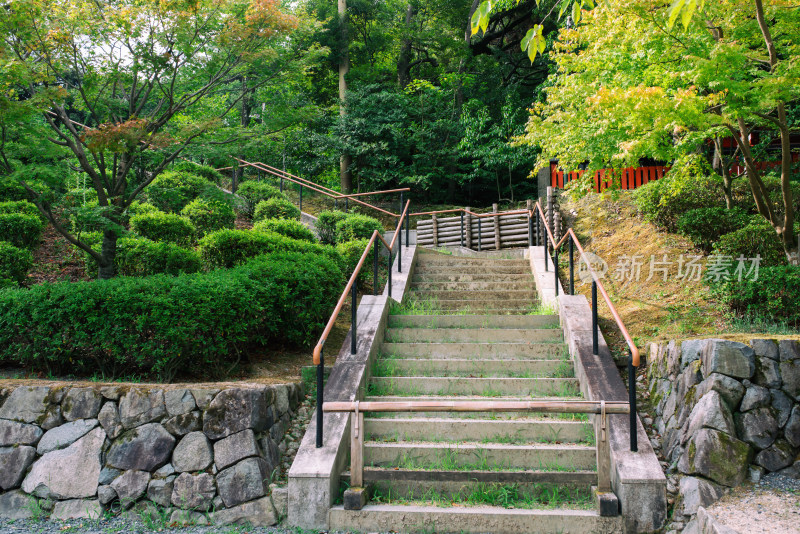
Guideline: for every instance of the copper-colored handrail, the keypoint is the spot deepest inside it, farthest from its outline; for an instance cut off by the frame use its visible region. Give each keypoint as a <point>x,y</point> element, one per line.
<point>466,211</point>
<point>611,407</point>
<point>375,235</point>
<point>635,357</point>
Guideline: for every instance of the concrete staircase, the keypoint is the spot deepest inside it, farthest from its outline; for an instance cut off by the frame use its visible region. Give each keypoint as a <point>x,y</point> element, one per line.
<point>471,328</point>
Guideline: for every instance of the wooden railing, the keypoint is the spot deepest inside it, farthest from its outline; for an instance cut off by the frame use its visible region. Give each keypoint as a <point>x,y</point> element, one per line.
<point>627,178</point>
<point>600,408</point>
<point>468,229</point>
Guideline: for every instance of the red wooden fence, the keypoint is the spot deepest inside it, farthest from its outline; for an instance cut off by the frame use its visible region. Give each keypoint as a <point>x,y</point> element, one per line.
<point>629,177</point>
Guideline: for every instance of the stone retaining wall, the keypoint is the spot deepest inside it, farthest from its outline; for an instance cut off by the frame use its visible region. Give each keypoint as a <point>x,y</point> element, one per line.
<point>725,412</point>
<point>202,453</point>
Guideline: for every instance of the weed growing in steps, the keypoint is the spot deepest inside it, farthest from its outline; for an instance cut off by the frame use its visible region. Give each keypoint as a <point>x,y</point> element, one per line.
<point>387,386</point>
<point>391,368</point>
<point>553,436</point>
<point>530,497</point>
<point>450,459</point>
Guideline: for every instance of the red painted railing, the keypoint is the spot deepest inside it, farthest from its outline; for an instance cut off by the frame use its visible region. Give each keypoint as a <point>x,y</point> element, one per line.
<point>629,177</point>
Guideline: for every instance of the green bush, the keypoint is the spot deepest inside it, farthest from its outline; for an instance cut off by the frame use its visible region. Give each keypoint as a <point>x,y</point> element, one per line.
<point>21,230</point>
<point>254,192</point>
<point>688,185</point>
<point>288,227</point>
<point>757,238</point>
<point>195,324</point>
<point>172,191</point>
<point>14,264</point>
<point>206,172</point>
<point>326,225</point>
<point>704,226</point>
<point>209,215</point>
<point>227,248</point>
<point>160,226</point>
<point>355,226</point>
<point>11,189</point>
<point>743,195</point>
<point>19,206</point>
<point>351,252</point>
<point>137,256</point>
<point>141,208</point>
<point>276,208</point>
<point>774,295</point>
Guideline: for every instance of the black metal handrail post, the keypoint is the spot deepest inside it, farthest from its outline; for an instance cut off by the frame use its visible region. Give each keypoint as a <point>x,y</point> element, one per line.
<point>353,327</point>
<point>546,253</point>
<point>320,395</point>
<point>408,229</point>
<point>536,223</point>
<point>555,269</point>
<point>400,250</point>
<point>632,402</point>
<point>571,267</point>
<point>530,230</point>
<point>389,283</point>
<point>595,327</point>
<point>375,269</point>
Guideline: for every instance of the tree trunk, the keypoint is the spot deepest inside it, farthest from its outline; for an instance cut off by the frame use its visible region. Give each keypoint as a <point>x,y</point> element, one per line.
<point>722,166</point>
<point>106,268</point>
<point>345,175</point>
<point>404,59</point>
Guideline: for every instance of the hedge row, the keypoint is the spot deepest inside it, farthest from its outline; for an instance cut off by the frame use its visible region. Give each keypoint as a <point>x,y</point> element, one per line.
<point>774,295</point>
<point>288,227</point>
<point>143,257</point>
<point>20,229</point>
<point>338,227</point>
<point>160,226</point>
<point>160,326</point>
<point>228,248</point>
<point>14,264</point>
<point>276,208</point>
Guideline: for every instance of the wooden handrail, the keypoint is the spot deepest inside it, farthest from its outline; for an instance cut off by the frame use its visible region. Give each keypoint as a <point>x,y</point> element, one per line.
<point>616,407</point>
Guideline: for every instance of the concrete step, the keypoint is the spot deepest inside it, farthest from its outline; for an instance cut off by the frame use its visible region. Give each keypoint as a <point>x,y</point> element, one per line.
<point>480,457</point>
<point>481,387</point>
<point>473,335</point>
<point>473,321</point>
<point>471,520</point>
<point>444,259</point>
<point>471,269</point>
<point>473,368</point>
<point>494,307</point>
<point>474,294</point>
<point>486,351</point>
<point>438,428</point>
<point>479,416</point>
<point>514,285</point>
<point>470,277</point>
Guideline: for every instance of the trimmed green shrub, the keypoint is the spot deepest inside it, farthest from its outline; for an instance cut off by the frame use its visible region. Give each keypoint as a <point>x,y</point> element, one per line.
<point>758,237</point>
<point>743,195</point>
<point>206,172</point>
<point>11,189</point>
<point>172,191</point>
<point>326,225</point>
<point>141,208</point>
<point>288,227</point>
<point>14,264</point>
<point>137,256</point>
<point>21,230</point>
<point>195,324</point>
<point>774,295</point>
<point>19,206</point>
<point>209,215</point>
<point>160,226</point>
<point>351,252</point>
<point>227,248</point>
<point>355,226</point>
<point>704,226</point>
<point>689,185</point>
<point>276,208</point>
<point>254,192</point>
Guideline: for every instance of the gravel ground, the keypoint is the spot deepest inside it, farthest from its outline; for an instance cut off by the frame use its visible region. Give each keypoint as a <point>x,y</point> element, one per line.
<point>770,507</point>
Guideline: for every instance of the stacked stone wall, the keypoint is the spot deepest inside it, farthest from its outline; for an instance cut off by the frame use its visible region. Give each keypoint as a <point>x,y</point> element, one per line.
<point>198,454</point>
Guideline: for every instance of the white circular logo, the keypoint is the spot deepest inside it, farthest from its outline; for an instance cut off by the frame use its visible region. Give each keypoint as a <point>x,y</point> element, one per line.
<point>597,263</point>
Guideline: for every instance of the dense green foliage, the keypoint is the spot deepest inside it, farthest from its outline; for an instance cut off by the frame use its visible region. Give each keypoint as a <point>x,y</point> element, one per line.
<point>276,208</point>
<point>173,190</point>
<point>160,326</point>
<point>19,206</point>
<point>209,173</point>
<point>209,215</point>
<point>160,226</point>
<point>14,264</point>
<point>20,229</point>
<point>326,225</point>
<point>138,256</point>
<point>356,226</point>
<point>254,192</point>
<point>774,295</point>
<point>351,252</point>
<point>704,226</point>
<point>288,227</point>
<point>227,248</point>
<point>757,238</point>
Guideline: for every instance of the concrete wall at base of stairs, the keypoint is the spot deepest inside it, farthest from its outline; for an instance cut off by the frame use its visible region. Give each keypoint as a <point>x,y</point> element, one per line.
<point>636,477</point>
<point>314,475</point>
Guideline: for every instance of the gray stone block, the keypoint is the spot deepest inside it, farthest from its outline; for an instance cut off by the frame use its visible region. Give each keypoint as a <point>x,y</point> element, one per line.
<point>783,406</point>
<point>160,490</point>
<point>203,397</point>
<point>355,498</point>
<point>792,429</point>
<point>130,486</point>
<point>777,456</point>
<point>768,373</point>
<point>790,375</point>
<point>765,348</point>
<point>52,417</point>
<point>691,350</point>
<point>732,390</point>
<point>180,425</point>
<point>81,403</point>
<point>188,518</point>
<point>26,404</point>
<point>108,474</point>
<point>179,402</point>
<point>65,435</point>
<point>709,412</point>
<point>243,482</point>
<point>14,462</point>
<point>145,448</point>
<point>77,509</point>
<point>16,505</point>
<point>789,349</point>
<point>140,406</point>
<point>717,456</point>
<point>106,494</point>
<point>193,492</point>
<point>15,433</point>
<point>729,358</point>
<point>755,397</point>
<point>696,492</point>
<point>235,447</point>
<point>258,513</point>
<point>193,453</point>
<point>234,410</point>
<point>757,427</point>
<point>109,420</point>
<point>70,473</point>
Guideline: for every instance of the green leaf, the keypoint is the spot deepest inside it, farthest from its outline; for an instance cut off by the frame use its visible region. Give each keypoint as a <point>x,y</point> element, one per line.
<point>526,41</point>
<point>562,7</point>
<point>688,11</point>
<point>576,13</point>
<point>674,11</point>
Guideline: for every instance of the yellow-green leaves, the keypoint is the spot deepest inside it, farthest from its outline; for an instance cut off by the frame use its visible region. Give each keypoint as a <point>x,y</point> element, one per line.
<point>683,9</point>
<point>533,42</point>
<point>480,19</point>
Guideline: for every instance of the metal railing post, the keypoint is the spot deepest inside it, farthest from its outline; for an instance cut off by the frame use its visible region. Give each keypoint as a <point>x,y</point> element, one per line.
<point>546,253</point>
<point>408,227</point>
<point>301,198</point>
<point>462,229</point>
<point>632,402</point>
<point>555,269</point>
<point>320,396</point>
<point>571,267</point>
<point>536,223</point>
<point>595,327</point>
<point>530,231</point>
<point>353,314</point>
<point>375,269</point>
<point>480,245</point>
<point>390,273</point>
<point>400,250</point>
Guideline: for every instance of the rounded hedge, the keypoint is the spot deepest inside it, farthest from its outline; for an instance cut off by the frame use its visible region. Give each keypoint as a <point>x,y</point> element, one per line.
<point>704,226</point>
<point>288,227</point>
<point>227,248</point>
<point>351,252</point>
<point>141,208</point>
<point>355,226</point>
<point>194,324</point>
<point>757,238</point>
<point>326,225</point>
<point>15,263</point>
<point>142,257</point>
<point>172,191</point>
<point>254,192</point>
<point>19,206</point>
<point>21,230</point>
<point>160,226</point>
<point>208,173</point>
<point>774,295</point>
<point>276,208</point>
<point>209,215</point>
